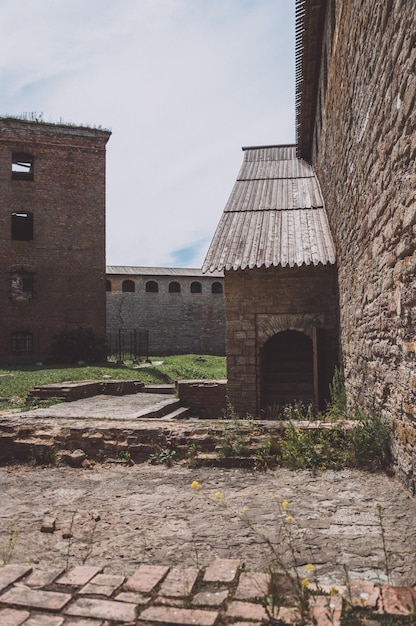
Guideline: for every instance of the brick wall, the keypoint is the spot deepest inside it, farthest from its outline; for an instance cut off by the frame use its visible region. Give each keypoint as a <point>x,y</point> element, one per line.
<point>364,153</point>
<point>178,323</point>
<point>263,302</point>
<point>65,259</point>
<point>205,398</point>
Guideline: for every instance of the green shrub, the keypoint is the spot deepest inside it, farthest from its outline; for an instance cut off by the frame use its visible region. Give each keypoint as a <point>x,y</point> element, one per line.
<point>371,444</point>
<point>81,344</point>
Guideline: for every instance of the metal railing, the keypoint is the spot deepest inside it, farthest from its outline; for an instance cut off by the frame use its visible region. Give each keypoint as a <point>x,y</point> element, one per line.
<point>132,344</point>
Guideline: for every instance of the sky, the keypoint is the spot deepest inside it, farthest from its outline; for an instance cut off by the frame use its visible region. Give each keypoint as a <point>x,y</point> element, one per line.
<point>182,84</point>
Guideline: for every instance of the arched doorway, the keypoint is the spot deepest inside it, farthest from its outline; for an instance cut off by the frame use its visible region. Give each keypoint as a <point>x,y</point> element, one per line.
<point>287,369</point>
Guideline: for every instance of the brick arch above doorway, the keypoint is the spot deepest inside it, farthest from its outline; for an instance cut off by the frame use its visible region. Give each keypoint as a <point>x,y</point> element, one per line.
<point>268,324</point>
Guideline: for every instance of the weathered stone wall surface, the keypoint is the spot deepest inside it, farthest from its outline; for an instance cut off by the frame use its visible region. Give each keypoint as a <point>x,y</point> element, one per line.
<point>65,258</point>
<point>178,323</point>
<point>263,302</point>
<point>365,149</point>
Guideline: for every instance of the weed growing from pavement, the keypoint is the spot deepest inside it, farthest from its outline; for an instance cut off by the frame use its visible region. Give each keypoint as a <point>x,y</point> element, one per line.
<point>288,583</point>
<point>163,456</point>
<point>43,456</point>
<point>7,548</point>
<point>296,586</point>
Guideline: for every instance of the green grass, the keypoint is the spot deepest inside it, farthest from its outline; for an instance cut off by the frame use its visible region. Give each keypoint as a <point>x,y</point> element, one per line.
<point>16,382</point>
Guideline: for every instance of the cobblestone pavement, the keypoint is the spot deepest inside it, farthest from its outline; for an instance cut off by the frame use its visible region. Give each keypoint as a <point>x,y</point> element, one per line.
<point>121,517</point>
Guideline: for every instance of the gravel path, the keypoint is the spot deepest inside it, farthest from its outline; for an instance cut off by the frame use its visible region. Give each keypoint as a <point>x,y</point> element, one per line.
<point>123,516</point>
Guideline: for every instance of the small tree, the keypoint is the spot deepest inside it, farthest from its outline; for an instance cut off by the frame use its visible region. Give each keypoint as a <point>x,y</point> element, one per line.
<point>81,344</point>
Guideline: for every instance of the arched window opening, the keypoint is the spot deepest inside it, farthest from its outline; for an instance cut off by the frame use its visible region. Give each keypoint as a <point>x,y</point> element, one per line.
<point>196,287</point>
<point>174,287</point>
<point>216,287</point>
<point>22,286</point>
<point>108,286</point>
<point>286,361</point>
<point>128,286</point>
<point>152,286</point>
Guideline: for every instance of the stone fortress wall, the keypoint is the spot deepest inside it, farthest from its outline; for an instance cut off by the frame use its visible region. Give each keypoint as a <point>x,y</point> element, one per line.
<point>182,309</point>
<point>364,154</point>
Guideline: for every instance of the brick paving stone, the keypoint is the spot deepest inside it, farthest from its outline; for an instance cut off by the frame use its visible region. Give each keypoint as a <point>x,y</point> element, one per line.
<point>162,601</point>
<point>35,598</point>
<point>252,585</point>
<point>103,609</point>
<point>179,582</point>
<point>397,600</point>
<point>363,593</point>
<point>246,610</point>
<point>132,596</point>
<point>10,573</point>
<point>222,570</point>
<point>326,610</point>
<point>48,525</point>
<point>45,620</point>
<point>79,576</point>
<point>174,615</point>
<point>215,597</point>
<point>13,617</point>
<point>103,585</point>
<point>146,578</point>
<point>41,578</point>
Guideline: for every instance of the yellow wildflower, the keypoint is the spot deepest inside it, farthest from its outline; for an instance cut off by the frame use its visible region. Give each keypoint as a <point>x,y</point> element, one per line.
<point>305,582</point>
<point>289,518</point>
<point>196,486</point>
<point>244,509</point>
<point>309,567</point>
<point>285,505</point>
<point>218,495</point>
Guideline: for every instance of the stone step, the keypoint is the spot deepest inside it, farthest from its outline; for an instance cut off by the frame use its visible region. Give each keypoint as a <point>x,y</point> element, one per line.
<point>168,389</point>
<point>177,414</point>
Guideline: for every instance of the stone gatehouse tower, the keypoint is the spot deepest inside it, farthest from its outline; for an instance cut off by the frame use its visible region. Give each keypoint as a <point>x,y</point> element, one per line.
<point>52,234</point>
<point>274,244</point>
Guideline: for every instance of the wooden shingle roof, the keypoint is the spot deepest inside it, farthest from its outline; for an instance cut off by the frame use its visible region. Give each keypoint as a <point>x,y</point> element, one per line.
<point>274,216</point>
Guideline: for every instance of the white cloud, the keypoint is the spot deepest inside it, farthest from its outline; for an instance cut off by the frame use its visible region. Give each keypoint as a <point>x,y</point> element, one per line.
<point>183,84</point>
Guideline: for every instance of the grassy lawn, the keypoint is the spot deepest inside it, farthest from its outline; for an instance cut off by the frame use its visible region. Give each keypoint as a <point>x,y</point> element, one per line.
<point>16,382</point>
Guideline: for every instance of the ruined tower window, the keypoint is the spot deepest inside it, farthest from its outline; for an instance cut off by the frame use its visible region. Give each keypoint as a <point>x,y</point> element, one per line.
<point>174,287</point>
<point>196,287</point>
<point>216,287</point>
<point>22,344</point>
<point>22,166</point>
<point>22,286</point>
<point>128,286</point>
<point>152,286</point>
<point>22,226</point>
<point>108,286</point>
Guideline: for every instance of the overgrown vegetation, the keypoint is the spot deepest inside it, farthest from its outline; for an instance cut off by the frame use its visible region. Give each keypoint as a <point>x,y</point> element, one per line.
<point>353,439</point>
<point>72,345</point>
<point>16,382</point>
<point>291,590</point>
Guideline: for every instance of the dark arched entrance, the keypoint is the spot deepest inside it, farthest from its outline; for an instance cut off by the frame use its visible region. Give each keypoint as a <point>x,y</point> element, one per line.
<point>287,370</point>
